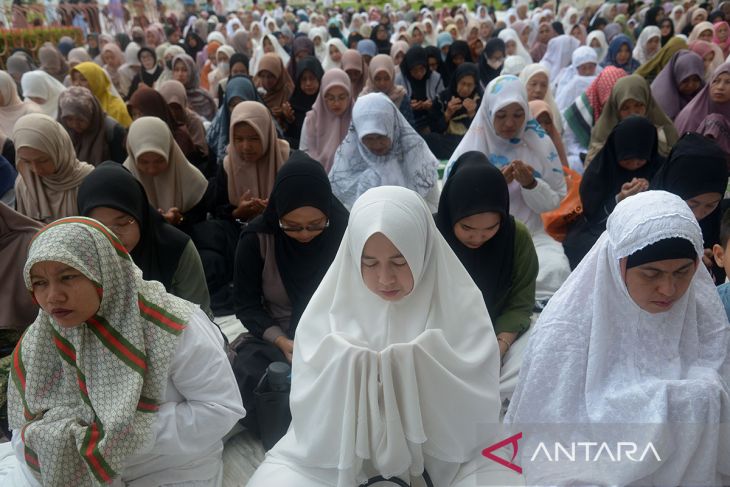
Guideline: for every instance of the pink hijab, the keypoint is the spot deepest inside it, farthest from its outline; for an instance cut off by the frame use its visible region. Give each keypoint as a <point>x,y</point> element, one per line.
<point>725,46</point>
<point>325,130</point>
<point>701,106</point>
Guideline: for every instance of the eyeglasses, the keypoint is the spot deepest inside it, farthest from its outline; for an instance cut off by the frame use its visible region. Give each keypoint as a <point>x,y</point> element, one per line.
<point>309,228</point>
<point>122,227</point>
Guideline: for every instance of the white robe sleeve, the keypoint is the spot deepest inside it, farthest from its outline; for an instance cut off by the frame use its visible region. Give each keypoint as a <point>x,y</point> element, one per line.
<point>202,374</point>
<point>303,141</point>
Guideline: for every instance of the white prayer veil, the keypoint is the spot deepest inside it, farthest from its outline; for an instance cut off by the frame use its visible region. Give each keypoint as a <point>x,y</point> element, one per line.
<point>596,358</point>
<point>378,385</point>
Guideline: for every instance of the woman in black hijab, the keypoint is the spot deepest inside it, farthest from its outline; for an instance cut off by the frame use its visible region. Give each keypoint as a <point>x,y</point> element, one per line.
<point>422,86</point>
<point>435,63</point>
<point>666,27</point>
<point>113,196</point>
<point>496,250</point>
<point>459,104</point>
<point>624,167</point>
<point>237,66</point>
<point>696,171</point>
<point>491,60</point>
<point>306,89</point>
<point>150,70</point>
<point>381,38</point>
<point>193,44</point>
<point>281,258</point>
<point>459,53</point>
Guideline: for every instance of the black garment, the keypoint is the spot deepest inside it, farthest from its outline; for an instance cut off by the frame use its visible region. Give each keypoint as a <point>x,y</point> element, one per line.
<point>650,17</point>
<point>423,119</point>
<point>458,48</point>
<point>696,166</point>
<point>353,39</point>
<point>598,23</point>
<point>143,77</point>
<point>476,186</point>
<point>434,52</point>
<point>123,40</point>
<point>8,151</point>
<point>189,49</point>
<point>300,182</point>
<point>161,244</point>
<point>117,141</point>
<point>486,72</point>
<point>558,27</point>
<point>383,46</point>
<point>665,249</point>
<point>633,138</point>
<point>300,102</point>
<point>669,22</point>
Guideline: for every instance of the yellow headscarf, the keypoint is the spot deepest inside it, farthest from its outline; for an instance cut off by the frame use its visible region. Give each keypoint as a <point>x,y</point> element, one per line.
<point>100,86</point>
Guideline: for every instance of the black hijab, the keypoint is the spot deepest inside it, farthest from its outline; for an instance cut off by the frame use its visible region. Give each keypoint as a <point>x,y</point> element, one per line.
<point>302,181</point>
<point>476,186</point>
<point>161,245</point>
<point>696,166</point>
<point>354,37</point>
<point>632,138</point>
<point>458,48</point>
<point>383,46</point>
<point>435,52</point>
<point>665,39</point>
<point>238,58</point>
<point>416,56</point>
<point>650,17</point>
<point>300,102</point>
<point>149,78</point>
<point>558,28</point>
<point>486,72</point>
<point>465,69</point>
<point>190,50</point>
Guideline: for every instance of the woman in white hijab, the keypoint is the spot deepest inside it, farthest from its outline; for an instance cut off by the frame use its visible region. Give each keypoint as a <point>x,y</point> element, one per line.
<point>514,46</point>
<point>320,46</point>
<point>648,45</point>
<point>576,78</point>
<point>43,89</point>
<point>382,149</point>
<point>269,43</point>
<point>559,53</point>
<point>332,59</point>
<point>536,79</point>
<point>528,159</point>
<point>597,41</point>
<point>397,349</point>
<point>633,348</point>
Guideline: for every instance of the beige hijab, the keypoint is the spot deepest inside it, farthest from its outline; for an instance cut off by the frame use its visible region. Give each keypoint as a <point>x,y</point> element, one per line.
<point>258,177</point>
<point>182,185</point>
<point>17,309</point>
<point>51,197</point>
<point>11,106</point>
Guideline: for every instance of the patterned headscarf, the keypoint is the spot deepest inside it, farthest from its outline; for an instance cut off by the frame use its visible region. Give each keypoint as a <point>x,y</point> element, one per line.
<point>82,397</point>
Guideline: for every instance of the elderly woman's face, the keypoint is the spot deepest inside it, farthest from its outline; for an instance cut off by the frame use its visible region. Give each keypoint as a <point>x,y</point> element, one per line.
<point>63,292</point>
<point>656,286</point>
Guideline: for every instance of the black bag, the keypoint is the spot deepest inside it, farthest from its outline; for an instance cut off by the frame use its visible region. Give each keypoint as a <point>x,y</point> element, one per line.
<point>273,414</point>
<point>397,481</point>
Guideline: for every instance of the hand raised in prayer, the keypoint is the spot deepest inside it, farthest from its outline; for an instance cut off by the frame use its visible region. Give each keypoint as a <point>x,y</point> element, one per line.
<point>288,112</point>
<point>471,106</point>
<point>249,207</point>
<point>452,107</point>
<point>173,215</point>
<point>286,346</point>
<point>508,172</point>
<point>635,186</point>
<point>426,105</point>
<point>524,174</point>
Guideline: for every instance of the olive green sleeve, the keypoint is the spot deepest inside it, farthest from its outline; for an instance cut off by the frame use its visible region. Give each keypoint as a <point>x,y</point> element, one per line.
<point>189,279</point>
<point>520,302</point>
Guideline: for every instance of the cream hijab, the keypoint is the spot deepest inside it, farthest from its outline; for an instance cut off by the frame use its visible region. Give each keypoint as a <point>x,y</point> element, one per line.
<point>404,383</point>
<point>11,106</point>
<point>182,185</point>
<point>258,177</point>
<point>51,197</point>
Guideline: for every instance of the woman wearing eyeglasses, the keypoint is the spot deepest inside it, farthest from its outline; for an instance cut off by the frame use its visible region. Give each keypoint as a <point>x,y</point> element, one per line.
<point>280,260</point>
<point>111,195</point>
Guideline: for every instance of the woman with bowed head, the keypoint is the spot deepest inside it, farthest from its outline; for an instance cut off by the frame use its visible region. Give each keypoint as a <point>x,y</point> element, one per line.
<point>515,143</point>
<point>49,172</point>
<point>173,185</point>
<point>382,149</point>
<point>111,195</point>
<point>281,258</point>
<point>497,252</point>
<point>714,98</point>
<point>91,76</point>
<point>396,307</point>
<point>117,364</point>
<point>647,327</point>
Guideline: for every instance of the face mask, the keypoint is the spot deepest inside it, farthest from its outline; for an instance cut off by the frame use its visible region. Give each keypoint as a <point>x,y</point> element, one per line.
<point>224,68</point>
<point>494,64</point>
